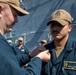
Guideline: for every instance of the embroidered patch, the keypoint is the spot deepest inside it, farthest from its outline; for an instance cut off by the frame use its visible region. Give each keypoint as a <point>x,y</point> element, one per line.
<point>71,65</point>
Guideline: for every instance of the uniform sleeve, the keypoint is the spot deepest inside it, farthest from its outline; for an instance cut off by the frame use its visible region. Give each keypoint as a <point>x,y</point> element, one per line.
<point>9,64</point>
<point>12,67</point>
<point>34,67</point>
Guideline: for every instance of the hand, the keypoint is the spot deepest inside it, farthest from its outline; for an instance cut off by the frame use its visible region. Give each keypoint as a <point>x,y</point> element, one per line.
<point>37,51</point>
<point>44,55</point>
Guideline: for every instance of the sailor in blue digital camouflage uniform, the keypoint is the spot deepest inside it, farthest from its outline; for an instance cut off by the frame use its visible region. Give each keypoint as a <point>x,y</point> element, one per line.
<point>62,48</point>
<point>9,57</point>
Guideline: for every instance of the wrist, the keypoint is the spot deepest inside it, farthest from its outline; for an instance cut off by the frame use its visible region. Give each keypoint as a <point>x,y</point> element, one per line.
<point>39,56</point>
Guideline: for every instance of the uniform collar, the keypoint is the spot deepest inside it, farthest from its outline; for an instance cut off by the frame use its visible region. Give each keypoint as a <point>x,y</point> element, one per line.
<point>69,45</point>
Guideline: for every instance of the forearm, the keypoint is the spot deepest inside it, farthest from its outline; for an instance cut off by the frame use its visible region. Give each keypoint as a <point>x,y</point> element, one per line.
<point>34,67</point>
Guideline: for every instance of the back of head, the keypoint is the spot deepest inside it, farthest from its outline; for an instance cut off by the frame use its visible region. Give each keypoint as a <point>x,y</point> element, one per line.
<point>61,16</point>
<point>15,5</point>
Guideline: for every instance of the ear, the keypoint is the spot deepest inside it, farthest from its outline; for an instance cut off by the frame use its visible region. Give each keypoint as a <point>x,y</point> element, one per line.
<point>70,27</point>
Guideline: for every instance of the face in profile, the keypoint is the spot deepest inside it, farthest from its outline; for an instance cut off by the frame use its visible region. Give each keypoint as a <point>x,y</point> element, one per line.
<point>8,18</point>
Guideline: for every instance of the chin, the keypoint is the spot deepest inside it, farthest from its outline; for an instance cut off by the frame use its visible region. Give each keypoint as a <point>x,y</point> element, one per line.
<point>57,38</point>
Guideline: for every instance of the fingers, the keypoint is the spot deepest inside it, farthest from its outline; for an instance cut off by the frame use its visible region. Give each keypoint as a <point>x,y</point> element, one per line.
<point>47,51</point>
<point>44,55</point>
